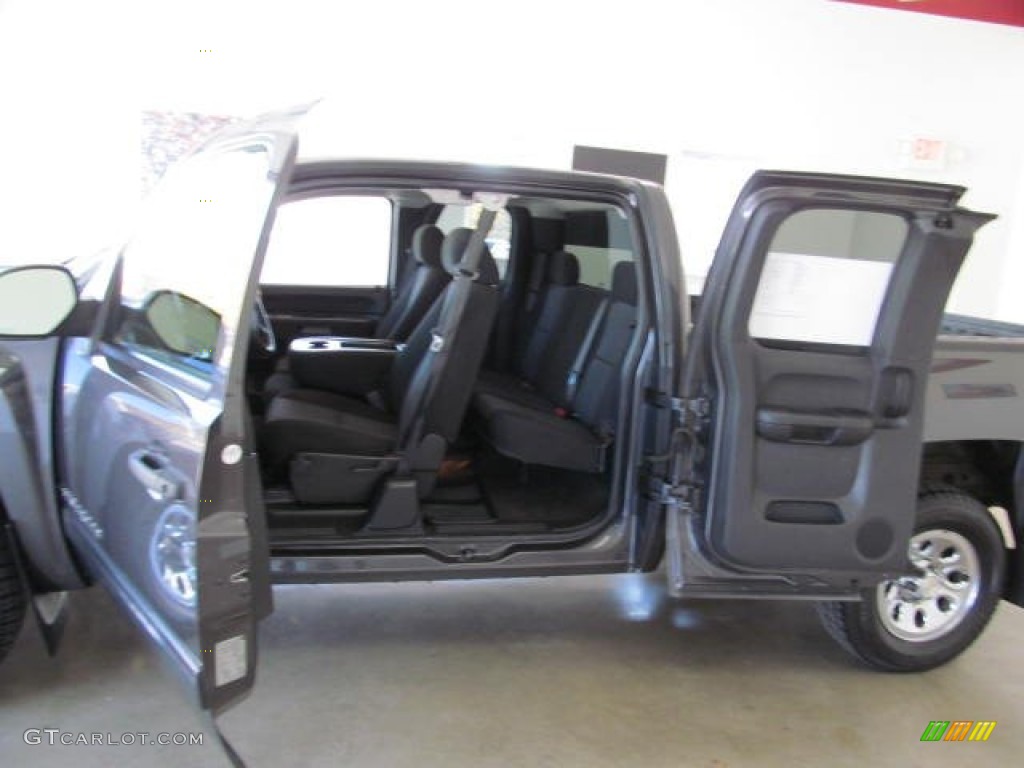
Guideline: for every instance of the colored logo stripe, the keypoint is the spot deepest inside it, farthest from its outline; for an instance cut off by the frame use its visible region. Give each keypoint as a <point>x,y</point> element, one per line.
<point>958,730</point>
<point>935,731</point>
<point>982,730</point>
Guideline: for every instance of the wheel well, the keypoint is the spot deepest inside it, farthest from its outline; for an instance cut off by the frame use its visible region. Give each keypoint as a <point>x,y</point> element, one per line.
<point>984,469</point>
<point>991,471</point>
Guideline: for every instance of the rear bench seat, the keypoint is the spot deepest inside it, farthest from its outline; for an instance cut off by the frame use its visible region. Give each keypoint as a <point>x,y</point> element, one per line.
<point>563,411</point>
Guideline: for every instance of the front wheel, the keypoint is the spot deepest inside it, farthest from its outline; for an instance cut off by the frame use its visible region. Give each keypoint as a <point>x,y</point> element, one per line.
<point>922,620</point>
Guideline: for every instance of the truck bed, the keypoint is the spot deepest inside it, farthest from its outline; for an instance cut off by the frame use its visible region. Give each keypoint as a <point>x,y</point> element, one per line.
<point>964,325</point>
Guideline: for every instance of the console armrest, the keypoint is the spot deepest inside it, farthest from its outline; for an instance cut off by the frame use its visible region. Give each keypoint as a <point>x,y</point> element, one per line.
<point>343,365</point>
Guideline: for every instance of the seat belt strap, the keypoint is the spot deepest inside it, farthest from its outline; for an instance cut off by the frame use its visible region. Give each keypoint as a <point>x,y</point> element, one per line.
<point>583,354</point>
<point>451,313</point>
<point>475,247</point>
<point>456,297</point>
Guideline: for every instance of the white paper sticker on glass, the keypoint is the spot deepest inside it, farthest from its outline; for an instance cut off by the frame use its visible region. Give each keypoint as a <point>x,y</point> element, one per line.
<point>819,299</point>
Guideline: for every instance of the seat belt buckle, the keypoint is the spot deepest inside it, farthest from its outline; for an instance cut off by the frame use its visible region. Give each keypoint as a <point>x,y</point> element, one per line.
<point>436,342</point>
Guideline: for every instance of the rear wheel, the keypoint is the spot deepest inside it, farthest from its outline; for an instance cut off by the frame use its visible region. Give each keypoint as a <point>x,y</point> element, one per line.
<point>925,619</point>
<point>12,596</point>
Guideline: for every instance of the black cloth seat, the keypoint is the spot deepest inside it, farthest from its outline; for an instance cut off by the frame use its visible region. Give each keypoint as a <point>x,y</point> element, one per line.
<point>535,427</point>
<point>322,422</point>
<point>540,433</point>
<point>335,434</point>
<point>419,290</point>
<point>550,346</point>
<point>502,386</point>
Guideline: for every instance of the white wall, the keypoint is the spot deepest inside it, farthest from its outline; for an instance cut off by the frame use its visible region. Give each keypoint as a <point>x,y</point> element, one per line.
<point>1010,272</point>
<point>721,86</point>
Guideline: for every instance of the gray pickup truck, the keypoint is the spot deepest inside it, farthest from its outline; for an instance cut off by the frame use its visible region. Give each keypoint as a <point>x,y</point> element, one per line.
<point>508,383</point>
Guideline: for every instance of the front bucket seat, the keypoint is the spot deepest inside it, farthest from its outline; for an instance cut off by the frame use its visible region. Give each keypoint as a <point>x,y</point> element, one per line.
<point>336,449</point>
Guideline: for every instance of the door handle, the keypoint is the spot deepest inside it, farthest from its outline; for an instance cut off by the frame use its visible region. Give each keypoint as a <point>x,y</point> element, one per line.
<point>150,469</point>
<point>831,427</point>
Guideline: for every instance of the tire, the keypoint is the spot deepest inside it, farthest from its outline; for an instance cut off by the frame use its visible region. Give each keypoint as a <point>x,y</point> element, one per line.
<point>12,597</point>
<point>915,624</point>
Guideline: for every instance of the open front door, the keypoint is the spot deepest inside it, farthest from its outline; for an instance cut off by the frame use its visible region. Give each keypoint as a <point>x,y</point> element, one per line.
<point>158,475</point>
<point>809,357</point>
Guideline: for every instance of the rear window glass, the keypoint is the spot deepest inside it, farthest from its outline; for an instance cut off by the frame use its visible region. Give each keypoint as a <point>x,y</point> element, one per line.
<point>599,240</point>
<point>498,239</point>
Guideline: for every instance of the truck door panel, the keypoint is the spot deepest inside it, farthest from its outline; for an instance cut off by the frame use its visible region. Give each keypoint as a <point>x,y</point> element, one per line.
<point>812,347</point>
<point>156,463</point>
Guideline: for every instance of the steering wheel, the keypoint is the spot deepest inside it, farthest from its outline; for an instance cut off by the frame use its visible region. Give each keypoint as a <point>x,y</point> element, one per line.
<point>262,330</point>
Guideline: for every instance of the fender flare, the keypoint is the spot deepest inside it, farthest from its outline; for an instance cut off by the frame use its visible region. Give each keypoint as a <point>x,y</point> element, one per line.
<point>1015,557</point>
<point>27,473</point>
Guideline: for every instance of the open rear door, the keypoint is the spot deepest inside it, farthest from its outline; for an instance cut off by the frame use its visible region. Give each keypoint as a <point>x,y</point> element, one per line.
<point>158,475</point>
<point>809,358</point>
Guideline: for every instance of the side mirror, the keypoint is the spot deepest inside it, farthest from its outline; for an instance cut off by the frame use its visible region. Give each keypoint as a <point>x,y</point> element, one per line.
<point>183,325</point>
<point>34,301</point>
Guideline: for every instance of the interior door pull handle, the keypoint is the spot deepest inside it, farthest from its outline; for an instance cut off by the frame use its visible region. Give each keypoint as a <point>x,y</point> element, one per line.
<point>832,427</point>
<point>150,469</point>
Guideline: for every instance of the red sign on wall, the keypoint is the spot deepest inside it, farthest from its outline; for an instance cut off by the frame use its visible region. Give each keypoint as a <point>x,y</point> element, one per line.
<point>994,11</point>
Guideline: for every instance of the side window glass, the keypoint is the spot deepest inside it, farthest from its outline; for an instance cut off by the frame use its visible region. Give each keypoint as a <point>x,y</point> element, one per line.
<point>498,239</point>
<point>825,277</point>
<point>330,241</point>
<point>187,265</point>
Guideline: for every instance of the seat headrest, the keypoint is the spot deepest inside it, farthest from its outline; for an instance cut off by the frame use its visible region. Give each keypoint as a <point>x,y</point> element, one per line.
<point>624,282</point>
<point>563,269</point>
<point>451,254</point>
<point>426,245</point>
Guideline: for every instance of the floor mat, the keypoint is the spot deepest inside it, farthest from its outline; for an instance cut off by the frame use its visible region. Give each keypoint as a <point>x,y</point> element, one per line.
<point>540,494</point>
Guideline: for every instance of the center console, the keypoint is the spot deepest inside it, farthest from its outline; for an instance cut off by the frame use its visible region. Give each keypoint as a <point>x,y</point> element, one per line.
<point>349,366</point>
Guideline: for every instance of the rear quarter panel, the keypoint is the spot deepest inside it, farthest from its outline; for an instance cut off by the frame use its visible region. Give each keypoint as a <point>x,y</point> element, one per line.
<point>976,392</point>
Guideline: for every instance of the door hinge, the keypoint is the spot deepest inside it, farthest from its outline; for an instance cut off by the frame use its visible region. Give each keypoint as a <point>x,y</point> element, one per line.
<point>690,412</point>
<point>681,496</point>
<point>678,487</point>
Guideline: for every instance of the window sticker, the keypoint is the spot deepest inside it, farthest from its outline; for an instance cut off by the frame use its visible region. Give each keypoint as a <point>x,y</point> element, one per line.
<point>819,299</point>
